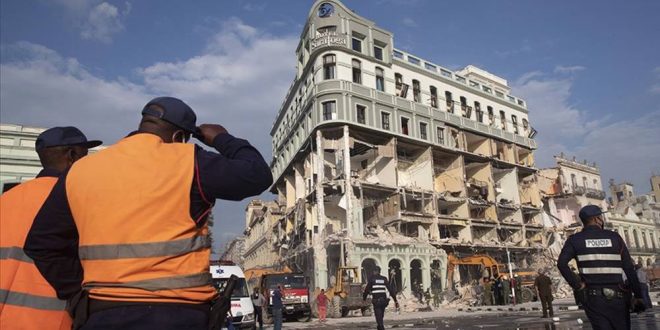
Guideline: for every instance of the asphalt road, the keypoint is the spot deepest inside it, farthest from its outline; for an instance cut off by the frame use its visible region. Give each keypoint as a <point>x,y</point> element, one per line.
<point>495,320</point>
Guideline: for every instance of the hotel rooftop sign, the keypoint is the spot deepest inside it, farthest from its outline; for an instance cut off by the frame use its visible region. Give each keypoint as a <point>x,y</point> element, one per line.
<point>328,39</point>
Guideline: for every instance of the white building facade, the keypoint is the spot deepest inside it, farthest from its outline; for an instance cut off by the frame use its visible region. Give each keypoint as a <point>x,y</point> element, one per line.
<point>382,158</point>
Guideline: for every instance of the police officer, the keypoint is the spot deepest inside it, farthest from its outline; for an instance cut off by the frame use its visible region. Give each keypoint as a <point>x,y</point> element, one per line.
<point>379,286</point>
<point>127,227</point>
<point>27,301</point>
<point>602,258</point>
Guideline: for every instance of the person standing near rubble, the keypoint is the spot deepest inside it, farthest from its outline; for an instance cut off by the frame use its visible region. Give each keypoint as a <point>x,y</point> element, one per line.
<point>602,257</point>
<point>543,286</point>
<point>258,301</point>
<point>497,287</point>
<point>378,286</point>
<point>644,285</point>
<point>506,290</point>
<point>488,292</point>
<point>124,233</point>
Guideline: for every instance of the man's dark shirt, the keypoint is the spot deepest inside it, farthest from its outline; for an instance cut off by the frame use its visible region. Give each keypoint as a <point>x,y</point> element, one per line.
<point>544,285</point>
<point>277,298</point>
<point>575,245</point>
<point>236,172</point>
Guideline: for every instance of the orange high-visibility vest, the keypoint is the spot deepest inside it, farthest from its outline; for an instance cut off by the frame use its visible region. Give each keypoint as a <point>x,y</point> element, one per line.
<point>27,301</point>
<point>138,242</point>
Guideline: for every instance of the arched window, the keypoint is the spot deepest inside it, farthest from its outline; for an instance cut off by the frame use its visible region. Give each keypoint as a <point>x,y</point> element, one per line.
<point>329,66</point>
<point>416,91</point>
<point>434,96</point>
<point>573,180</point>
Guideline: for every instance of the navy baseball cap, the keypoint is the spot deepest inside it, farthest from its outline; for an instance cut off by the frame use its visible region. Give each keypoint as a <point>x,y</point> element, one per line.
<point>590,211</point>
<point>63,136</point>
<point>175,112</point>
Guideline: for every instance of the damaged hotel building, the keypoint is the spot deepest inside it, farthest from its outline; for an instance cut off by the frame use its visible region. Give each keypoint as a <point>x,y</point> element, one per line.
<point>383,158</point>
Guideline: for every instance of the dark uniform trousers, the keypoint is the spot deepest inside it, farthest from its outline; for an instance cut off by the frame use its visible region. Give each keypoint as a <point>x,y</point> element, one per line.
<point>148,317</point>
<point>379,310</point>
<point>600,311</point>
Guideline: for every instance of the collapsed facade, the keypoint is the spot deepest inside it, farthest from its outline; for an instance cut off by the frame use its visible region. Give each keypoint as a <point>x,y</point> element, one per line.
<point>381,158</point>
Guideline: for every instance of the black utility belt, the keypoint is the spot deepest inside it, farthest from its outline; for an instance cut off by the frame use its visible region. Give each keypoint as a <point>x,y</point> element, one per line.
<point>97,305</point>
<point>605,292</point>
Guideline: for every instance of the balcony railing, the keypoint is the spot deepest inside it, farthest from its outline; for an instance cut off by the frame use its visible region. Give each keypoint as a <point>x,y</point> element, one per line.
<point>635,249</point>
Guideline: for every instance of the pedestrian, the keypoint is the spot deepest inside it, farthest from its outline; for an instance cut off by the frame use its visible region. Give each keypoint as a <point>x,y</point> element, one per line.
<point>258,301</point>
<point>602,257</point>
<point>436,298</point>
<point>28,301</point>
<point>644,285</point>
<point>427,297</point>
<point>378,286</point>
<point>124,233</point>
<point>506,290</point>
<point>488,292</point>
<point>543,286</point>
<point>497,288</point>
<point>277,307</point>
<point>322,305</point>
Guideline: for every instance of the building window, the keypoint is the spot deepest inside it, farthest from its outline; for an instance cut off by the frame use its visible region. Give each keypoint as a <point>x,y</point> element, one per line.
<point>329,66</point>
<point>404,126</point>
<point>329,110</point>
<point>440,132</point>
<point>416,91</point>
<point>380,79</point>
<point>357,45</point>
<point>450,102</point>
<point>401,88</point>
<point>361,114</point>
<point>378,53</point>
<point>385,120</point>
<point>357,72</point>
<point>503,120</point>
<point>397,54</point>
<point>465,107</point>
<point>327,29</point>
<point>596,184</point>
<point>480,114</point>
<point>491,115</point>
<point>413,60</point>
<point>573,180</point>
<point>422,131</point>
<point>434,97</point>
<point>525,124</point>
<point>514,122</point>
<point>584,182</point>
<point>430,67</point>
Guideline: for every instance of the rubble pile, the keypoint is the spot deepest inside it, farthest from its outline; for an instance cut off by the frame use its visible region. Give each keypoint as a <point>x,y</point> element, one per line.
<point>407,304</point>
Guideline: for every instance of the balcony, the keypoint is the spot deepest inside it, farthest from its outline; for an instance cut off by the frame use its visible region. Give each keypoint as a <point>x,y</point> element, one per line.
<point>595,193</point>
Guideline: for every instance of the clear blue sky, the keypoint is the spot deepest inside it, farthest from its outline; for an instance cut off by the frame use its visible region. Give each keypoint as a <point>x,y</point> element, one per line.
<point>590,70</point>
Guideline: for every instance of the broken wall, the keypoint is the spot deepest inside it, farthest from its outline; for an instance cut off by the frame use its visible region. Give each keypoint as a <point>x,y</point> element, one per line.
<point>415,170</point>
<point>448,174</point>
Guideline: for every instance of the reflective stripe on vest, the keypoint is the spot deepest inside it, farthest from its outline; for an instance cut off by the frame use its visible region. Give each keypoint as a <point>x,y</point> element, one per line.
<point>601,270</point>
<point>601,256</point>
<point>14,253</point>
<point>163,283</point>
<point>144,250</point>
<point>31,301</point>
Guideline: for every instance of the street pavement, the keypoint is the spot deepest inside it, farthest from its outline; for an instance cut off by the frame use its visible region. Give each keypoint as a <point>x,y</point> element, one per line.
<point>480,319</point>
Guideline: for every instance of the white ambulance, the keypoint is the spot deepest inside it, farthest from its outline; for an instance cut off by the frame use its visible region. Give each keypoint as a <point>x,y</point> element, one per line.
<point>242,310</point>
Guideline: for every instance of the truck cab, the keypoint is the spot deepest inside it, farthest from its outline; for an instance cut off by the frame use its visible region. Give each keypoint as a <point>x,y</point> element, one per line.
<point>242,310</point>
<point>295,294</point>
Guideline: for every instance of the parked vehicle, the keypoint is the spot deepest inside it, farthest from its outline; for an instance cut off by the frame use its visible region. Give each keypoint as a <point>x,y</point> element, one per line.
<point>346,294</point>
<point>242,310</point>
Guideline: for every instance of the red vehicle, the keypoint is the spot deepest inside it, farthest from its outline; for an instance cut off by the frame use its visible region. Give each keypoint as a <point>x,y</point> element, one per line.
<point>295,295</point>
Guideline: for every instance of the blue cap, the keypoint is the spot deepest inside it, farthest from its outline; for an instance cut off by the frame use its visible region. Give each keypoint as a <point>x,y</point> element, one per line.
<point>63,136</point>
<point>590,211</point>
<point>175,112</point>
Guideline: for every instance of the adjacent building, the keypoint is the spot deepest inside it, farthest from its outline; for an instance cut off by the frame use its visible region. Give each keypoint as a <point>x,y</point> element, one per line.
<point>381,157</point>
<point>636,219</point>
<point>261,225</point>
<point>568,187</point>
<point>18,160</point>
